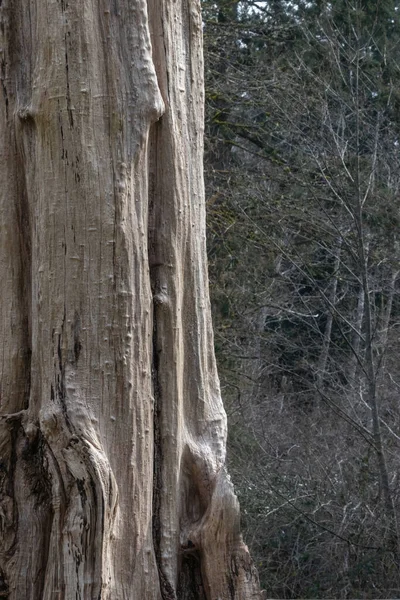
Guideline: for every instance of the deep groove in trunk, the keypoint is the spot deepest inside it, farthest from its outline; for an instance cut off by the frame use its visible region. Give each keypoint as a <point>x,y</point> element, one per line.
<point>165,586</point>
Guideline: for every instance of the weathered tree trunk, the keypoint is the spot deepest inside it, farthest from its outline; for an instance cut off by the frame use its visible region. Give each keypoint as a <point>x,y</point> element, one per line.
<point>112,431</point>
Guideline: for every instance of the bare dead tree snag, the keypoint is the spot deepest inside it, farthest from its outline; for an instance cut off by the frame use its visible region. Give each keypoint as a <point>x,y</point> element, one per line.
<point>112,430</point>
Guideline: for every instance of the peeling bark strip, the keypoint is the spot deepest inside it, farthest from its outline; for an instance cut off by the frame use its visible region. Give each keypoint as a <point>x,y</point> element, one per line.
<point>112,431</point>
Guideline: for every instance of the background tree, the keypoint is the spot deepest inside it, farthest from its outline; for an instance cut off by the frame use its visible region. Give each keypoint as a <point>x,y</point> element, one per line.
<point>112,430</point>
<point>304,264</point>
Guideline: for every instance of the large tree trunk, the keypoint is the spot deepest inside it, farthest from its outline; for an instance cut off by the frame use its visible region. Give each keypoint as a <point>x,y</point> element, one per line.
<point>112,431</point>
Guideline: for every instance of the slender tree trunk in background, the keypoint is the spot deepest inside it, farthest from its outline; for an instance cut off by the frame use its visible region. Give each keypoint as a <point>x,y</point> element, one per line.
<point>386,314</point>
<point>372,394</point>
<point>331,295</point>
<point>356,338</point>
<point>112,430</point>
<point>374,402</point>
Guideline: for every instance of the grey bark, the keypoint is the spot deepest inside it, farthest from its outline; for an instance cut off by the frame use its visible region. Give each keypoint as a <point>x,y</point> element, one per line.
<point>112,430</point>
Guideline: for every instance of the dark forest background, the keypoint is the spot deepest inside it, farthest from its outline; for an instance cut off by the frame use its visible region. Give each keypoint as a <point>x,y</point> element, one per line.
<point>303,195</point>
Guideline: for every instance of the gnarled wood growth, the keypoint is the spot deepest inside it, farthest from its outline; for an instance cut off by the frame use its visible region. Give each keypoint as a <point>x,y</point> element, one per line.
<point>112,431</point>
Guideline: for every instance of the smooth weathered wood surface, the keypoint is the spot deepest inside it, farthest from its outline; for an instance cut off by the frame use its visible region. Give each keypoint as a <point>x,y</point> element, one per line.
<point>112,430</point>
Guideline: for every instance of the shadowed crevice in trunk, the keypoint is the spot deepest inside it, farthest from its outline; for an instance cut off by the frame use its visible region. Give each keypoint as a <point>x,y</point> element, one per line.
<point>155,264</point>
